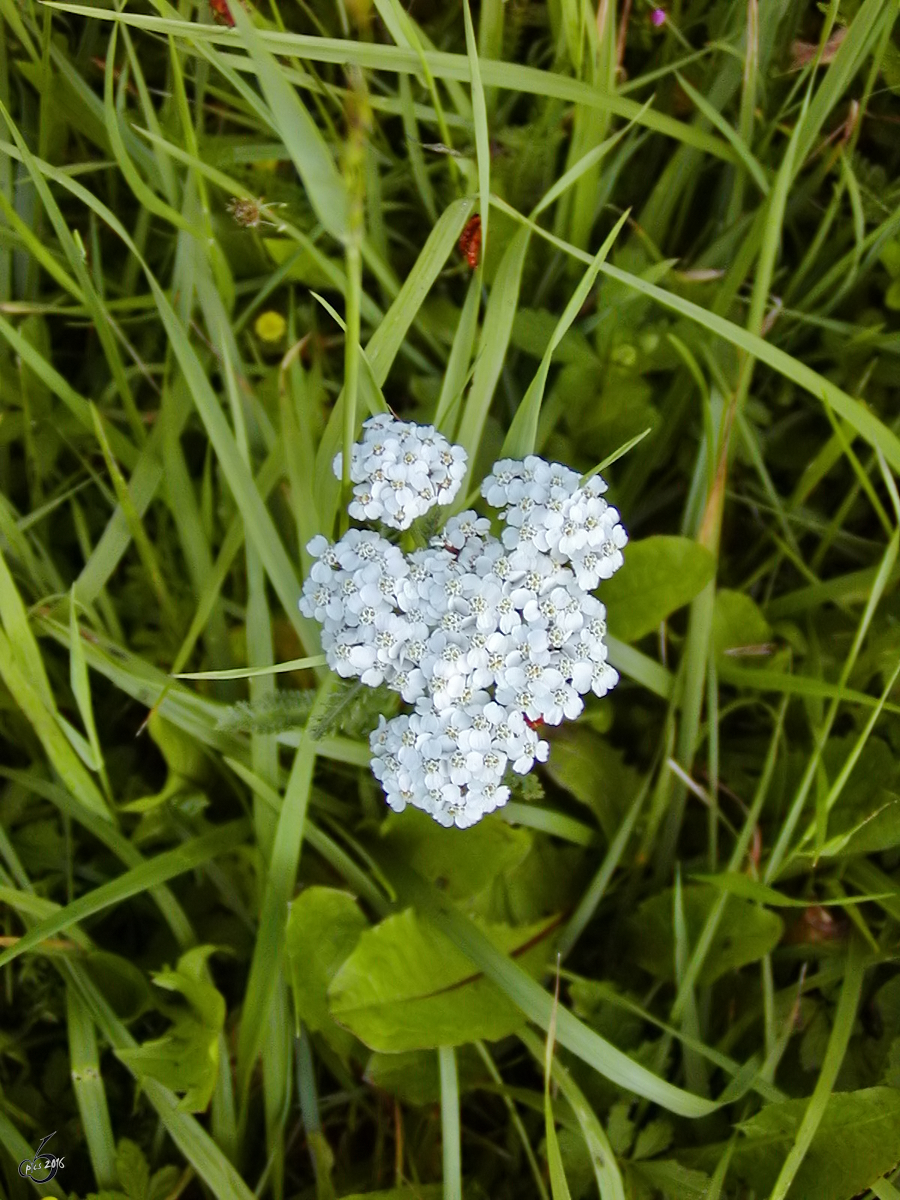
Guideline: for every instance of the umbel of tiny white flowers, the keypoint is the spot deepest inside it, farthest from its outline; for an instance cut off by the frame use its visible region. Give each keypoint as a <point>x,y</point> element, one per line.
<point>400,471</point>
<point>486,639</point>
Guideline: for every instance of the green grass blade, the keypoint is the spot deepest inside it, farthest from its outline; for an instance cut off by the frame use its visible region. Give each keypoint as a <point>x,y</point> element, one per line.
<point>108,835</point>
<point>145,480</point>
<point>192,1140</point>
<point>450,1124</point>
<point>22,641</point>
<point>56,746</point>
<point>513,77</point>
<point>135,525</point>
<point>269,949</point>
<point>114,115</point>
<point>528,995</point>
<point>839,1040</point>
<point>480,120</point>
<point>103,321</point>
<point>19,1150</point>
<point>294,664</point>
<point>595,891</point>
<point>643,670</point>
<point>603,1160</point>
<point>522,435</point>
<point>384,344</point>
<point>256,516</point>
<point>789,824</point>
<point>457,369</point>
<point>586,163</point>
<point>304,142</point>
<point>124,449</point>
<point>559,1186</point>
<point>90,1093</point>
<point>866,424</point>
<point>81,689</point>
<point>492,347</point>
<point>741,149</point>
<point>155,871</point>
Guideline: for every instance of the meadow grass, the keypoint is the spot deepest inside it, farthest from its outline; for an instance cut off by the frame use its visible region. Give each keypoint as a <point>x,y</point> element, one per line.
<point>227,236</point>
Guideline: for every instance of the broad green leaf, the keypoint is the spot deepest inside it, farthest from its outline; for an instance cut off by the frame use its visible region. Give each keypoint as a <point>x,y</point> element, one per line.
<point>184,757</point>
<point>745,935</point>
<point>414,1078</point>
<point>462,861</point>
<point>671,1179</point>
<point>324,925</point>
<point>614,406</point>
<point>653,1139</point>
<point>889,257</point>
<point>164,1182</point>
<point>426,1191</point>
<point>122,984</point>
<point>186,1057</point>
<point>661,574</point>
<point>407,987</point>
<point>858,1141</point>
<point>865,819</point>
<point>188,1135</point>
<point>585,764</point>
<point>738,625</point>
<point>876,831</point>
<point>132,1169</point>
<point>190,979</point>
<point>185,1060</point>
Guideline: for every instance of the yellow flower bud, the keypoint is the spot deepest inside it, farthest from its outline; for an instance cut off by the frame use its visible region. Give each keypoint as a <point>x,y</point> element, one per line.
<point>270,326</point>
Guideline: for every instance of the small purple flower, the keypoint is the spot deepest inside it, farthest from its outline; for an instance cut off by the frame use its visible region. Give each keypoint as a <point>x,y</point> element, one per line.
<point>658,17</point>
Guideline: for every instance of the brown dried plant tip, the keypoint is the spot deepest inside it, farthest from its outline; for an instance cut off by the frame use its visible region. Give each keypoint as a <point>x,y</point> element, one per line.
<point>250,214</point>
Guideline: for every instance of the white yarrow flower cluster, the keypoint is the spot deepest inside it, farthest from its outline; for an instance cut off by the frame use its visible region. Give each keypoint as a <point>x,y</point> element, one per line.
<point>487,639</point>
<point>400,471</point>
